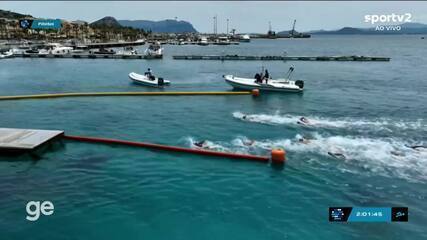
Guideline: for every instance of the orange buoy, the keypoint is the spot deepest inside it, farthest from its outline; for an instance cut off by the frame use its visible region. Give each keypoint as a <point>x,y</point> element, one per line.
<point>255,92</point>
<point>278,155</point>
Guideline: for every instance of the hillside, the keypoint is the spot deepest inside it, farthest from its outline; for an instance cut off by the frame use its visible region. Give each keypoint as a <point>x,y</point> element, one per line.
<point>165,26</point>
<point>13,15</point>
<point>106,22</point>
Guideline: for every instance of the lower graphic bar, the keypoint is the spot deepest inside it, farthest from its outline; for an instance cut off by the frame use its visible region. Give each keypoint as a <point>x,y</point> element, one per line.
<point>368,214</point>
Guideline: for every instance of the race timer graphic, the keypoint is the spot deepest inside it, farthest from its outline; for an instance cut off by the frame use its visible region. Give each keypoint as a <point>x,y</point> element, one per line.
<point>368,214</point>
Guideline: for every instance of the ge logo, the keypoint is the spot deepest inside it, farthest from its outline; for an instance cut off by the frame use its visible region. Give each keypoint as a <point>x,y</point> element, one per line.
<point>24,23</point>
<point>34,208</point>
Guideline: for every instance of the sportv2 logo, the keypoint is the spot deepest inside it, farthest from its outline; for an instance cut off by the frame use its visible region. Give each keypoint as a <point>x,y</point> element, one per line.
<point>390,18</point>
<point>34,208</point>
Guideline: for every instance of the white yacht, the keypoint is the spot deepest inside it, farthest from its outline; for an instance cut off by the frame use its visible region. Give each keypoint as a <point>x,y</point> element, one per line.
<point>223,41</point>
<point>203,41</point>
<point>80,49</point>
<point>154,50</point>
<point>7,54</point>
<point>55,49</point>
<point>140,41</point>
<point>245,38</point>
<point>128,51</point>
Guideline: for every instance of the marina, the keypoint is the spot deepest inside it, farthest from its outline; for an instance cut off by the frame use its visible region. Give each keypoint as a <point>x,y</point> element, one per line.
<point>58,50</point>
<point>204,57</point>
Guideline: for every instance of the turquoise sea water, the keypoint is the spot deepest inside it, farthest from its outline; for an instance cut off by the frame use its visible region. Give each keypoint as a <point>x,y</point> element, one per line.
<point>366,109</point>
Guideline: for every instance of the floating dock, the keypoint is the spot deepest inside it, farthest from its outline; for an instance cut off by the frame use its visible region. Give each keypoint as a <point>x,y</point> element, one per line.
<point>22,140</point>
<point>89,56</point>
<point>281,58</point>
<point>198,43</point>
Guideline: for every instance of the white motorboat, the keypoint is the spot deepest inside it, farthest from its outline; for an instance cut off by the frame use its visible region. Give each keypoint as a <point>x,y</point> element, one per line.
<point>128,51</point>
<point>103,51</point>
<point>140,41</point>
<point>80,49</point>
<point>32,51</point>
<point>203,41</point>
<point>146,80</point>
<point>280,85</point>
<point>55,49</point>
<point>245,38</point>
<point>7,54</point>
<point>154,50</point>
<point>222,41</point>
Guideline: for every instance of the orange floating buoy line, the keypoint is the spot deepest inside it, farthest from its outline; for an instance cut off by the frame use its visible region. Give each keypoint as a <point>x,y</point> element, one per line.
<point>254,92</point>
<point>278,156</point>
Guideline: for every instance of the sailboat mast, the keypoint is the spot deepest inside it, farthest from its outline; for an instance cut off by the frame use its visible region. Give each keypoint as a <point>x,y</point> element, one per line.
<point>293,28</point>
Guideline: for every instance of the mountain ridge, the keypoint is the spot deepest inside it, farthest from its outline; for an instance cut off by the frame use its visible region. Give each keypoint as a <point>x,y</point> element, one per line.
<point>13,15</point>
<point>107,21</point>
<point>163,26</point>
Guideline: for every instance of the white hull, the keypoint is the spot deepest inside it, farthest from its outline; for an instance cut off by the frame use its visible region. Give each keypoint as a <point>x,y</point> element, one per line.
<point>154,50</point>
<point>150,52</point>
<point>8,54</point>
<point>280,85</point>
<point>203,41</point>
<point>144,80</point>
<point>245,38</point>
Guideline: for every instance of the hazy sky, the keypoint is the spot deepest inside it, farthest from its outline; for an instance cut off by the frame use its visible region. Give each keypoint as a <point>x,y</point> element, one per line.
<point>252,16</point>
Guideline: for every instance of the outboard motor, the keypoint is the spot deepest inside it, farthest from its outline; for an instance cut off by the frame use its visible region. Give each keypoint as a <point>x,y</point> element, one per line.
<point>299,83</point>
<point>160,82</point>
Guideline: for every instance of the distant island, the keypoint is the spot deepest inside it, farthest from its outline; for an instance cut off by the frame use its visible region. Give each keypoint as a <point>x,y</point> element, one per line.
<point>406,28</point>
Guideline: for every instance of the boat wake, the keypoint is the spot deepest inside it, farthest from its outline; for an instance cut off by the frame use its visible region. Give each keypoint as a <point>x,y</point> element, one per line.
<point>321,122</point>
<point>208,145</point>
<point>380,156</point>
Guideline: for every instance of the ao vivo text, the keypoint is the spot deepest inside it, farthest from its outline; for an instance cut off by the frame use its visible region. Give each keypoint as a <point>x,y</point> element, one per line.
<point>388,28</point>
<point>35,208</point>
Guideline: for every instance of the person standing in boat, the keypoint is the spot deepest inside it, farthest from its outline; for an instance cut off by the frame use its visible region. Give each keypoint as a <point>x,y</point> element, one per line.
<point>266,76</point>
<point>258,78</point>
<point>149,74</point>
<point>261,75</point>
